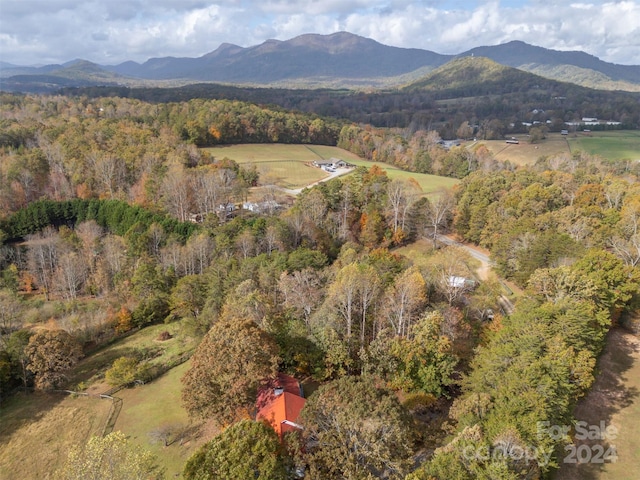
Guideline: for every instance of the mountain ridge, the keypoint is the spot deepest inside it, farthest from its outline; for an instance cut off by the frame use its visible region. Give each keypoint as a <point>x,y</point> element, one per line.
<point>339,59</point>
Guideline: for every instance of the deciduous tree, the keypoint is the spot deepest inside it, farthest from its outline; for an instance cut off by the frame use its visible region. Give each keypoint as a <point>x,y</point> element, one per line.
<point>355,430</point>
<point>246,449</point>
<point>51,353</point>
<point>231,362</point>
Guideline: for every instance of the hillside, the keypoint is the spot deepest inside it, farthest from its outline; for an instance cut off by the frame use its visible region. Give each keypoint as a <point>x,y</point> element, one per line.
<point>474,76</point>
<point>572,66</point>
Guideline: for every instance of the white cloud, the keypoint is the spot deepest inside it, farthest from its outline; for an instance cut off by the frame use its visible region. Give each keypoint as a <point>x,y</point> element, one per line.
<point>112,31</point>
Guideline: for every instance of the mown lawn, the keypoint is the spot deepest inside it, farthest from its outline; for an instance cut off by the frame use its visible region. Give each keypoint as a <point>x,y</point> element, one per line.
<point>616,145</point>
<point>152,412</point>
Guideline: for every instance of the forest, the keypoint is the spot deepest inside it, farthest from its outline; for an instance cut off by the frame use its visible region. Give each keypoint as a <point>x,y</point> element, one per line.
<point>477,93</point>
<point>113,219</point>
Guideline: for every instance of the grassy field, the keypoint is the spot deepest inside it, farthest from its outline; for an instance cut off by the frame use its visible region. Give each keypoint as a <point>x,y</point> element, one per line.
<point>285,165</point>
<point>428,183</point>
<point>37,430</point>
<point>288,165</point>
<point>613,145</point>
<point>90,371</point>
<point>155,408</point>
<point>526,153</point>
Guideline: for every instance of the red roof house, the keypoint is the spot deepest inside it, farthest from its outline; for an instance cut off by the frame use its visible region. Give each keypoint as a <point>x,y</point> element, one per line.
<point>280,403</point>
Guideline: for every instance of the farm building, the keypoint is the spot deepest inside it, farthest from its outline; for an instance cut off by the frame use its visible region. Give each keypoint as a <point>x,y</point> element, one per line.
<point>260,207</point>
<point>332,164</point>
<point>462,282</point>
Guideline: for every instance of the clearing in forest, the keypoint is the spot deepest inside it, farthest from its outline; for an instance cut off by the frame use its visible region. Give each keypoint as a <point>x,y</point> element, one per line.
<point>611,145</point>
<point>37,430</point>
<point>290,166</point>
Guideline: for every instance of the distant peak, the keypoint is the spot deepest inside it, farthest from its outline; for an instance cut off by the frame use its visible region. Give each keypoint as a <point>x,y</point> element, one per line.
<point>226,46</point>
<point>223,49</point>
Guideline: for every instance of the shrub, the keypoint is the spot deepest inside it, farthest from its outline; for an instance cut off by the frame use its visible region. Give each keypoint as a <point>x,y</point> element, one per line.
<point>122,372</point>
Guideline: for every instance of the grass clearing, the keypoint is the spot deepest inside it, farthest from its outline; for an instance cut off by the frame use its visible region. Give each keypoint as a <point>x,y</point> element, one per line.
<point>612,145</point>
<point>151,410</point>
<point>525,153</point>
<point>428,183</point>
<point>38,430</point>
<point>91,370</point>
<point>288,166</point>
<point>417,252</point>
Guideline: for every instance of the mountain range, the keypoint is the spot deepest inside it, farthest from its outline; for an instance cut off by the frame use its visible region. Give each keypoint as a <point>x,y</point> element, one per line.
<point>337,60</point>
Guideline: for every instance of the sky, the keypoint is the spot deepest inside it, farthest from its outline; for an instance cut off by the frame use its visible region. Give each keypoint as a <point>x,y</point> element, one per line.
<point>108,32</point>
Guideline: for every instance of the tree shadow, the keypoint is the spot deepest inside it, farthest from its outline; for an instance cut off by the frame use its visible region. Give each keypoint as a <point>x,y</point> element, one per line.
<point>609,394</point>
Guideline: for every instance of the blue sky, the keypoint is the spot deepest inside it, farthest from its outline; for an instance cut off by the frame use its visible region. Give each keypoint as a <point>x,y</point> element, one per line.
<point>113,31</point>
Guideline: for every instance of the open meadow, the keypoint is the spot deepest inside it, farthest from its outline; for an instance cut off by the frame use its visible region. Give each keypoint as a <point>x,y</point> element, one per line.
<point>289,166</point>
<point>37,430</point>
<point>612,145</point>
<point>153,417</point>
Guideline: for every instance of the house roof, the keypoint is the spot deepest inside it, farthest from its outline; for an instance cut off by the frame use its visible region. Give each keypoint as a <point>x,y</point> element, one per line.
<point>283,412</point>
<point>279,402</point>
<point>268,392</point>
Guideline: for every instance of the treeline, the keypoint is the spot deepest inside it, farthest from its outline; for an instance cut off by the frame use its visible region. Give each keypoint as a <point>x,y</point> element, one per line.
<point>115,216</point>
<point>524,383</point>
<point>420,151</point>
<point>570,240</point>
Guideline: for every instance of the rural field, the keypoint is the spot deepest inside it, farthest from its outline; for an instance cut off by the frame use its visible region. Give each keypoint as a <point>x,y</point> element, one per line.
<point>613,145</point>
<point>38,430</point>
<point>152,416</point>
<point>288,165</point>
